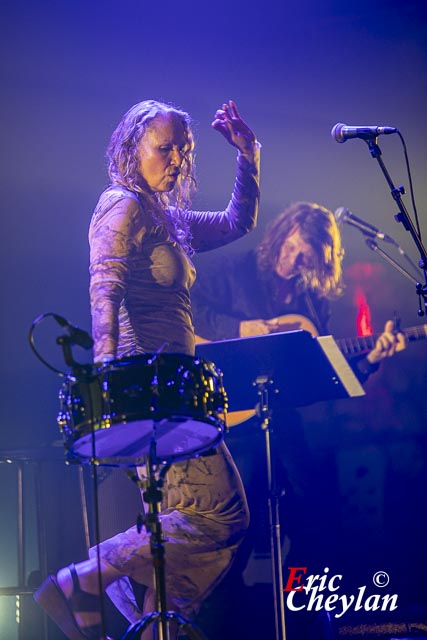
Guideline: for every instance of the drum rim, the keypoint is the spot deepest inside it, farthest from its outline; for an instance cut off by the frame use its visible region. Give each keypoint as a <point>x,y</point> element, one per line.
<point>140,357</point>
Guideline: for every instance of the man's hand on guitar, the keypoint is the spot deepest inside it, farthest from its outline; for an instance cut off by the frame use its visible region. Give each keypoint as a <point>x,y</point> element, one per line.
<point>250,328</point>
<point>387,344</point>
<point>288,322</point>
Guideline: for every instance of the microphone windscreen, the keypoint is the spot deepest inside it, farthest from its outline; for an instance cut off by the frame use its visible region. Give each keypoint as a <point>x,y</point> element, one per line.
<point>336,132</point>
<point>341,215</point>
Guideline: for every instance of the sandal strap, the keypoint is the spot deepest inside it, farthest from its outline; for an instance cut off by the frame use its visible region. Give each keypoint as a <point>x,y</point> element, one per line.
<point>75,578</point>
<point>81,601</point>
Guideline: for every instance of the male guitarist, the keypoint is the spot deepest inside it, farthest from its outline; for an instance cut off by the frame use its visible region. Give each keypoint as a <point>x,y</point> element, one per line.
<point>287,282</point>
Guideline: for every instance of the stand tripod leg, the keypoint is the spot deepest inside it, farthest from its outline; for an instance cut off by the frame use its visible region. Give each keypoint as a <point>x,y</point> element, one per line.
<point>273,509</point>
<point>160,622</point>
<point>275,543</point>
<point>161,619</point>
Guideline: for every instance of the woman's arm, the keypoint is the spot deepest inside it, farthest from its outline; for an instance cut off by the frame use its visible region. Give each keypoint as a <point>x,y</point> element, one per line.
<point>112,238</point>
<point>214,229</point>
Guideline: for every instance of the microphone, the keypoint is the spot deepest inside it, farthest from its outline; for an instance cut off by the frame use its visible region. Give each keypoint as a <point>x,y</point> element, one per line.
<point>78,336</point>
<point>341,132</point>
<point>344,215</point>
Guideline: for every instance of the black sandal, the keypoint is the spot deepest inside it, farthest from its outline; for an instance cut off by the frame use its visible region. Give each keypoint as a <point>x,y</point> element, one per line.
<point>62,610</point>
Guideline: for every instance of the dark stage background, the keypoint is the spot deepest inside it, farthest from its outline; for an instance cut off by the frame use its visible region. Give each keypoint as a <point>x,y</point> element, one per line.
<point>69,71</point>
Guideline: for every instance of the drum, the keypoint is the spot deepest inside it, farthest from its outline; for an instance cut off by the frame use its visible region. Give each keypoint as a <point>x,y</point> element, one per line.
<point>167,405</point>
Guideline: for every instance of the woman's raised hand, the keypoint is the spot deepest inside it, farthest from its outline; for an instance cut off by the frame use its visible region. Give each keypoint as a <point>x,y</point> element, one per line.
<point>235,130</point>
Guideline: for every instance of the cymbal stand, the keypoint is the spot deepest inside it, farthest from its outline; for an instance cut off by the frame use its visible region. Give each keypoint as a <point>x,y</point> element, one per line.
<point>161,618</point>
<point>265,386</point>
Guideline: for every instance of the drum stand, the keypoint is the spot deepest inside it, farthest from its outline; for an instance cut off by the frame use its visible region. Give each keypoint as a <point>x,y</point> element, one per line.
<point>161,618</point>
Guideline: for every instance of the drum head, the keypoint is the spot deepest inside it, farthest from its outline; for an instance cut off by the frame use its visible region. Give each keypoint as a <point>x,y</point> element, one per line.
<point>170,439</point>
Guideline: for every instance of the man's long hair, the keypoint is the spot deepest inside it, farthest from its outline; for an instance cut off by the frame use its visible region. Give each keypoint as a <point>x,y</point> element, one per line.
<point>318,229</point>
<point>123,161</point>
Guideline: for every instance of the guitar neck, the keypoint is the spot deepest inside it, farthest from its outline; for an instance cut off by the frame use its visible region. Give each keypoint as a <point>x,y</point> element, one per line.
<point>359,345</point>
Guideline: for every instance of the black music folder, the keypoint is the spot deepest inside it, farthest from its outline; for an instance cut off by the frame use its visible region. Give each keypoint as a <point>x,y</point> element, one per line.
<point>303,369</point>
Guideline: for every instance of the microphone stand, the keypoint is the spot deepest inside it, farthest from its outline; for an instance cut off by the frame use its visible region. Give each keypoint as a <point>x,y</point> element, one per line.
<point>82,372</point>
<point>407,258</point>
<point>374,246</point>
<point>265,412</point>
<point>403,217</point>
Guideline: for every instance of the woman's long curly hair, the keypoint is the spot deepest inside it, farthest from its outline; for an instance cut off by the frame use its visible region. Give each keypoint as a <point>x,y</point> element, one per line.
<point>318,229</point>
<point>123,161</point>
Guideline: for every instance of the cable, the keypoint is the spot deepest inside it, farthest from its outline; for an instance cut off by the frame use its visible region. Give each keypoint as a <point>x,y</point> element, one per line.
<point>411,188</point>
<point>35,323</point>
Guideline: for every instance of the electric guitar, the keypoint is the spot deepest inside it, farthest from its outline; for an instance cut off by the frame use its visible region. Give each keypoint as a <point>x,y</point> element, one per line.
<point>349,346</point>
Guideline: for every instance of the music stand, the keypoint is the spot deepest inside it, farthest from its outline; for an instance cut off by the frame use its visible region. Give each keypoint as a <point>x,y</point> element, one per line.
<point>298,370</point>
